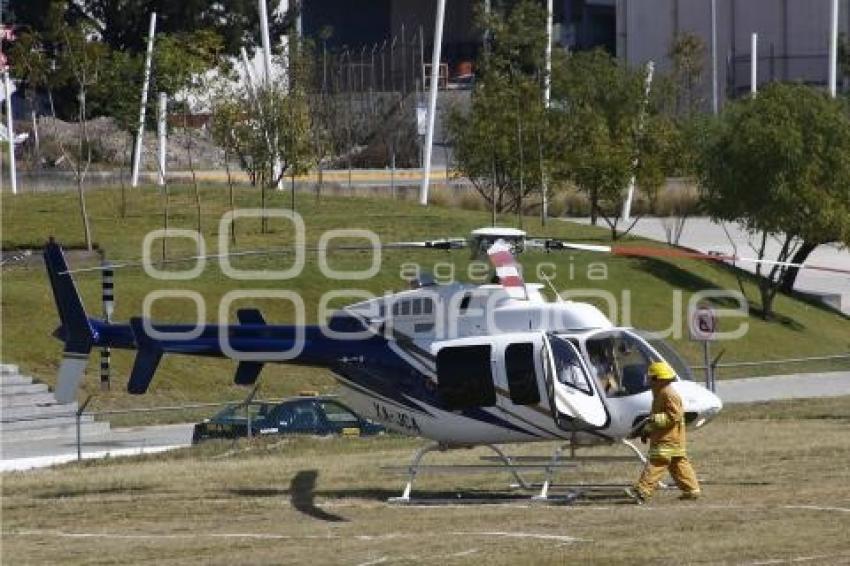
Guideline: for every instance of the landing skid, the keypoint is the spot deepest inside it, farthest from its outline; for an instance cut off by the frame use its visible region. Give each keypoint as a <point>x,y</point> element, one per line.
<point>513,465</point>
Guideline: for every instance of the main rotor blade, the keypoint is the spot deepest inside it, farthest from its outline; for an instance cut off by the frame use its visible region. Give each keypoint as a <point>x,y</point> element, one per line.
<point>445,244</point>
<point>649,251</point>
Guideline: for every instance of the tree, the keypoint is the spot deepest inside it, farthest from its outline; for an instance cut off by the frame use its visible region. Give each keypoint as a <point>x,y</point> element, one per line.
<point>688,55</point>
<point>123,25</point>
<point>601,143</point>
<point>83,60</point>
<point>274,132</point>
<point>493,139</point>
<point>227,113</point>
<point>181,63</point>
<point>779,164</point>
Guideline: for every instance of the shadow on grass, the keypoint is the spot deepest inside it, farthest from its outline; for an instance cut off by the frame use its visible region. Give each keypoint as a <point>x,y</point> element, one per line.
<point>302,496</point>
<point>83,491</point>
<point>688,281</point>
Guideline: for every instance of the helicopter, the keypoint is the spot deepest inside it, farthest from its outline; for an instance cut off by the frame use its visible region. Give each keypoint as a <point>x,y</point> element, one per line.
<point>461,365</point>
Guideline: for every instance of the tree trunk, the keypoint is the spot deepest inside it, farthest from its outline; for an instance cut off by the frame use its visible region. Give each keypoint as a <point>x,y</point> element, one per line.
<point>768,294</point>
<point>319,184</point>
<point>790,277</point>
<point>230,190</point>
<point>187,131</point>
<point>594,207</point>
<point>165,220</point>
<point>125,155</point>
<point>81,172</point>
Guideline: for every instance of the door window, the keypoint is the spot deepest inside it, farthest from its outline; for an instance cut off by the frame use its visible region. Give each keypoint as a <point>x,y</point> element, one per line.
<point>568,368</point>
<point>338,415</point>
<point>465,378</point>
<point>305,417</point>
<point>522,378</point>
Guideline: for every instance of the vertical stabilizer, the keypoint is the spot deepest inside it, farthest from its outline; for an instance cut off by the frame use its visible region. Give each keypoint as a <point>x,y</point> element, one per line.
<point>76,330</point>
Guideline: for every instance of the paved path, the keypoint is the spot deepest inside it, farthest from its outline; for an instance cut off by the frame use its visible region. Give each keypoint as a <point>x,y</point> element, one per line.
<point>707,236</point>
<point>30,453</point>
<point>793,386</point>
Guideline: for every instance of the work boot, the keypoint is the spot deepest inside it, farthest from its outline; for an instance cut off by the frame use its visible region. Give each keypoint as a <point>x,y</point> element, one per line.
<point>635,495</point>
<point>689,496</point>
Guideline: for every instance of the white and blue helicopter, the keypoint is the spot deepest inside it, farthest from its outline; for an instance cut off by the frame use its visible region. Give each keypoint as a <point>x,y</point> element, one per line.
<point>462,365</point>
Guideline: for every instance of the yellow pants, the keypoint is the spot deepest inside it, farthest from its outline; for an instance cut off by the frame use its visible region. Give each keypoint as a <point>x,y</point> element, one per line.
<point>680,468</point>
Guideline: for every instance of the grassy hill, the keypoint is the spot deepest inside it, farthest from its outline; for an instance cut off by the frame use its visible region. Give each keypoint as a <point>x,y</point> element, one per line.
<point>649,286</point>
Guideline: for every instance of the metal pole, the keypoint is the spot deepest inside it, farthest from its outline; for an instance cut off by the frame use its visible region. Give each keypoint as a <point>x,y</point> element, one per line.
<point>264,37</point>
<point>79,416</point>
<point>627,205</point>
<point>754,61</point>
<point>283,8</point>
<point>10,128</point>
<point>161,131</point>
<point>249,75</point>
<point>108,299</point>
<point>432,102</point>
<point>715,102</point>
<point>547,94</point>
<point>833,50</point>
<point>137,153</point>
<point>547,79</point>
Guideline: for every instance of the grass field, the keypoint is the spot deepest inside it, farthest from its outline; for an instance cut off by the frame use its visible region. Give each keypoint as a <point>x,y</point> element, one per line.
<point>648,286</point>
<point>775,478</point>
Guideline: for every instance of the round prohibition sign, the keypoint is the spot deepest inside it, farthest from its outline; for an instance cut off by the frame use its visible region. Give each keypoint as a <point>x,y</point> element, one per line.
<point>703,324</point>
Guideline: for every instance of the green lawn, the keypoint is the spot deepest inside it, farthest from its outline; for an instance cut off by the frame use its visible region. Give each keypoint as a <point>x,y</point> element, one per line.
<point>28,316</point>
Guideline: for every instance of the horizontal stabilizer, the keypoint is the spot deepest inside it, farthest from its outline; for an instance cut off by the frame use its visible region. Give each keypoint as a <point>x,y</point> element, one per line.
<point>147,359</point>
<point>250,316</point>
<point>247,373</point>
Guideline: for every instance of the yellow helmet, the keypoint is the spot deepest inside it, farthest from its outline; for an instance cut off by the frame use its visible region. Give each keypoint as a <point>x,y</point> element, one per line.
<point>662,371</point>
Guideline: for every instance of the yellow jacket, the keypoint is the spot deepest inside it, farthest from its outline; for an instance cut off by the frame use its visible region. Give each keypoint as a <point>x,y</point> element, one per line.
<point>666,425</point>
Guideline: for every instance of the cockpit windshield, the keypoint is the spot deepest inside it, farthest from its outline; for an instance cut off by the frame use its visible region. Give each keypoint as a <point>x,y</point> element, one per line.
<point>619,359</point>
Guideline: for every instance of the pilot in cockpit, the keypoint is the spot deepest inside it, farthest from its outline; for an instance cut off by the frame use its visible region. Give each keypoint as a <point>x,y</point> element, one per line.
<point>604,364</point>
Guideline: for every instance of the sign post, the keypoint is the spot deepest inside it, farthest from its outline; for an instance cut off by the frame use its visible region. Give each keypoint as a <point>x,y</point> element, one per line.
<point>703,327</point>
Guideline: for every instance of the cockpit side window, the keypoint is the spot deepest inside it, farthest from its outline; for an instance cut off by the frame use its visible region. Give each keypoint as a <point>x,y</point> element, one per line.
<point>568,368</point>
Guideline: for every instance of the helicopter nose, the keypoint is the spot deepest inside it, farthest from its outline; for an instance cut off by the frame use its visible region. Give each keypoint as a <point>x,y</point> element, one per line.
<point>711,405</point>
<point>701,405</point>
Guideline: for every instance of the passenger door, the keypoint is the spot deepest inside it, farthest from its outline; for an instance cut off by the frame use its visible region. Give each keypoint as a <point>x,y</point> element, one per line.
<point>572,392</point>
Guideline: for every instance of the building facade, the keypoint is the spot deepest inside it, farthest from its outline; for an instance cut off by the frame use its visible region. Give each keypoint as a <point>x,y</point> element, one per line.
<point>793,37</point>
<point>793,34</point>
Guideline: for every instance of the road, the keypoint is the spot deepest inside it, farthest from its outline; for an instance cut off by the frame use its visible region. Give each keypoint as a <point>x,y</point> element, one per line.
<point>28,454</point>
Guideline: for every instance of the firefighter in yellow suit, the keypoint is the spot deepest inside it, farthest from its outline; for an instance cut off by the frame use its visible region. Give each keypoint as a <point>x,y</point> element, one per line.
<point>666,431</point>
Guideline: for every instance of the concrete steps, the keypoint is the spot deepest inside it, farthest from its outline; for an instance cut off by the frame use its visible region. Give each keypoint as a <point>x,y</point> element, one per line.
<point>43,398</point>
<point>29,410</point>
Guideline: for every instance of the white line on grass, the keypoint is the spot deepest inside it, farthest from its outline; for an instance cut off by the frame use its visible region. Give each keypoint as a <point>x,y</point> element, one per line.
<point>269,536</point>
<point>559,538</point>
<point>820,557</point>
<point>816,508</point>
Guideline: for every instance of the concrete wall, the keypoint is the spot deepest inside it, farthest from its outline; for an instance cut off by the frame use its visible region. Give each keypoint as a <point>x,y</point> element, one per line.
<point>793,36</point>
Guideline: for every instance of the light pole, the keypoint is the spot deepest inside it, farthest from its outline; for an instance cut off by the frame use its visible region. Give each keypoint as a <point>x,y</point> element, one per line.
<point>432,100</point>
